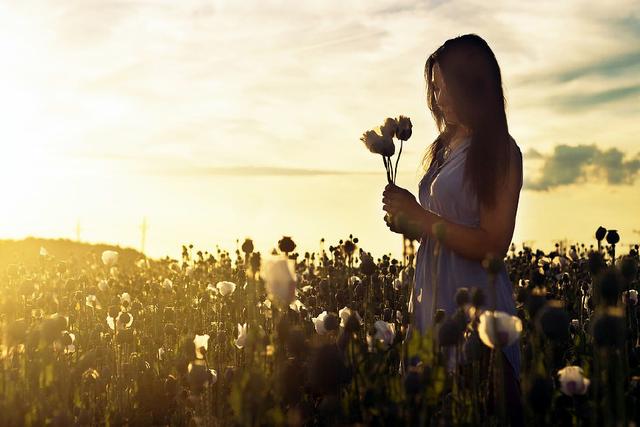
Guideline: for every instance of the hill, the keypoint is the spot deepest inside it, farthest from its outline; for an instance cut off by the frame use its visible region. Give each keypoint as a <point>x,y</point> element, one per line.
<point>27,251</point>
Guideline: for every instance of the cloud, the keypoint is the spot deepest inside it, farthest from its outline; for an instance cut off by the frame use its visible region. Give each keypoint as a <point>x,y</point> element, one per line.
<point>580,101</point>
<point>576,164</point>
<point>612,65</point>
<point>250,171</point>
<point>533,154</point>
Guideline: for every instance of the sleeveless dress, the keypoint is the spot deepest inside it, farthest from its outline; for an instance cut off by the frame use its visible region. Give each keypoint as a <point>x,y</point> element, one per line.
<point>443,193</point>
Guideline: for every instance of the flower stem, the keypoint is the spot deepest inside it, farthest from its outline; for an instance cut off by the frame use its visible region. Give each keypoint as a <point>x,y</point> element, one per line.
<point>397,160</point>
<point>386,168</point>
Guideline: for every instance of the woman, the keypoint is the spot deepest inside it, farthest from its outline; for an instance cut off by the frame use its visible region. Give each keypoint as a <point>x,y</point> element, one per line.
<point>471,185</point>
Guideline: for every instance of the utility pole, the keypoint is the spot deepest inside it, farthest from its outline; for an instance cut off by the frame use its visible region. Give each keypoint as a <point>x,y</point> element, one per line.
<point>143,229</point>
<point>78,230</point>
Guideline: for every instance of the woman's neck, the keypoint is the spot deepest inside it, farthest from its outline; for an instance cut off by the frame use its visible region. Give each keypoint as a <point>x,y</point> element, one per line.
<point>458,137</point>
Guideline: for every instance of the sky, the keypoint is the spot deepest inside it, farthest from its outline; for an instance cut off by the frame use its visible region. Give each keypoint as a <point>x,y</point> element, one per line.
<point>219,120</point>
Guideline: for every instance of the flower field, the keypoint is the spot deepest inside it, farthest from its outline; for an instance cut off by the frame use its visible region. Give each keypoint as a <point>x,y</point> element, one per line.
<point>320,338</point>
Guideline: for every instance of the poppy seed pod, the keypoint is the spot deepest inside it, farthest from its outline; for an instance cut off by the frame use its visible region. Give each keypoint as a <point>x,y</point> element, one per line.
<point>439,316</point>
<point>331,322</point>
<point>609,328</point>
<point>349,247</point>
<point>113,311</point>
<point>286,244</point>
<point>600,233</point>
<point>612,237</point>
<point>255,261</point>
<point>247,246</point>
<point>608,286</point>
<point>553,321</point>
<point>367,265</point>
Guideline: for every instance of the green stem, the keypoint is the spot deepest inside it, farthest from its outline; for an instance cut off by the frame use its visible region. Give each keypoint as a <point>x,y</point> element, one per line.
<point>397,160</point>
<point>386,168</point>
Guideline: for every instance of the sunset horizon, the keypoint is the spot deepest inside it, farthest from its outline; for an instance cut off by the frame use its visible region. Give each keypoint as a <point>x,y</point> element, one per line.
<point>119,111</point>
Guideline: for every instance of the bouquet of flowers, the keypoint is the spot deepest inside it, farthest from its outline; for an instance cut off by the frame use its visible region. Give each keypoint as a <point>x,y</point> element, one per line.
<point>380,141</point>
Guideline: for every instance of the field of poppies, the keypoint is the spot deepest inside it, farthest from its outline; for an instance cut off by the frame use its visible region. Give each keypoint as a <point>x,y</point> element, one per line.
<point>320,338</point>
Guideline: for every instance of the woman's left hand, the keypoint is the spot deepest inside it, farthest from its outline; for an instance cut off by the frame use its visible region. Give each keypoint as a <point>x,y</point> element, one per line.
<point>397,199</point>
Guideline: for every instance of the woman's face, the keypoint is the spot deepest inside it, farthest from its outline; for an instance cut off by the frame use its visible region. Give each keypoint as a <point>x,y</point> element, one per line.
<point>442,96</point>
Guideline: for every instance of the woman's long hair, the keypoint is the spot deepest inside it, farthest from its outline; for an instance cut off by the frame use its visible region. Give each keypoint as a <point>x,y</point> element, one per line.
<point>472,77</point>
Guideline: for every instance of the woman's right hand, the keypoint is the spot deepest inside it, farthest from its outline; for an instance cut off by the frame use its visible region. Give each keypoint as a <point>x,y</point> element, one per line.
<point>398,224</point>
<point>393,225</point>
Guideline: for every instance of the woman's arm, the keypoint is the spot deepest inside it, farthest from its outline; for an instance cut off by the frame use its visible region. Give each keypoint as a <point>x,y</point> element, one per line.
<point>496,224</point>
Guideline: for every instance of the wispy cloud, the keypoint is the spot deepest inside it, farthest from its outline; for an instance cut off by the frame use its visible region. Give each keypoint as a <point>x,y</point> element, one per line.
<point>250,171</point>
<point>581,101</point>
<point>581,163</point>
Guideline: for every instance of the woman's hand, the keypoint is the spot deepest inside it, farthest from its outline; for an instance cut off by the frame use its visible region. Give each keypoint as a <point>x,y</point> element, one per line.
<point>404,213</point>
<point>399,200</point>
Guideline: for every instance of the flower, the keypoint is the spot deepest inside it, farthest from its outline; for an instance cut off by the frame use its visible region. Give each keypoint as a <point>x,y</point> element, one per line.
<point>103,285</point>
<point>559,261</point>
<point>501,333</point>
<point>123,320</point>
<point>167,284</point>
<point>66,342</point>
<point>43,251</point>
<point>242,335</point>
<point>92,301</point>
<point>280,277</point>
<point>389,128</point>
<point>345,313</point>
<point>109,258</point>
<point>385,332</point>
<point>403,131</point>
<point>354,280</point>
<point>572,381</point>
<point>201,342</point>
<point>142,263</point>
<point>378,144</point>
<point>318,322</point>
<point>632,297</point>
<point>296,306</point>
<point>397,284</point>
<point>214,376</point>
<point>226,288</point>
<point>125,299</point>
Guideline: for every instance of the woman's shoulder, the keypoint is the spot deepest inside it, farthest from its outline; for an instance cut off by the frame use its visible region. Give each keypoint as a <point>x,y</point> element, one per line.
<point>514,145</point>
<point>516,157</point>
